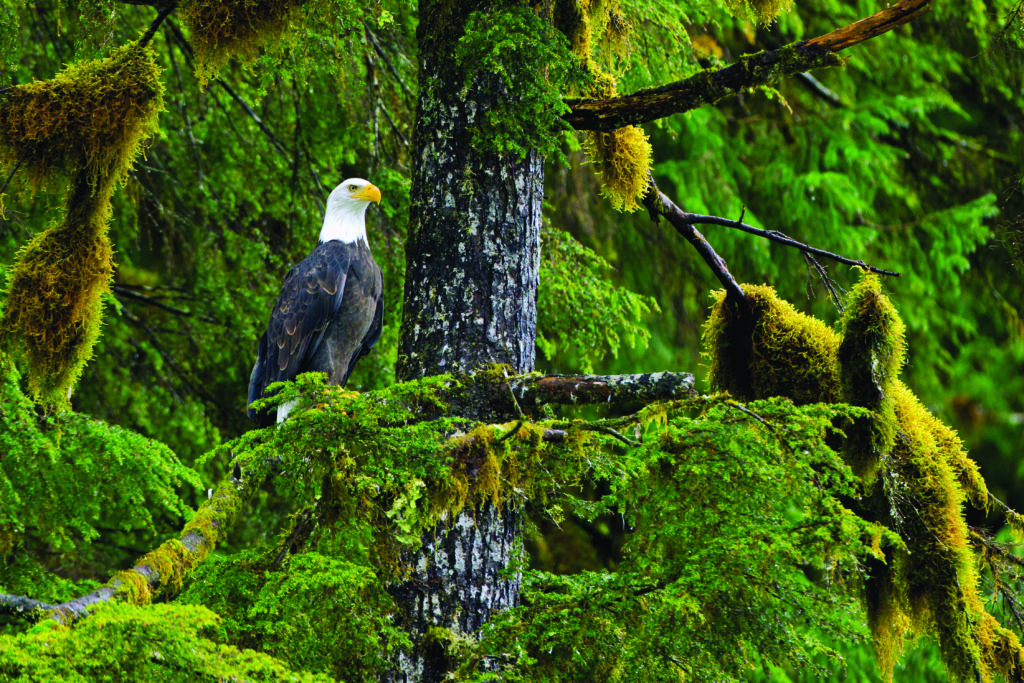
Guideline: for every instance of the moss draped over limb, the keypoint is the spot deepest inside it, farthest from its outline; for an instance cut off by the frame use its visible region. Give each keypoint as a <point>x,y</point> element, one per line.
<point>89,123</point>
<point>914,471</point>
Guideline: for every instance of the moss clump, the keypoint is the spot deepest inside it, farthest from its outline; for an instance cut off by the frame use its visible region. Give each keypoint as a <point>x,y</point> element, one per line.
<point>53,307</point>
<point>763,11</point>
<point>234,28</point>
<point>773,351</point>
<point>93,117</point>
<point>623,160</point>
<point>870,357</point>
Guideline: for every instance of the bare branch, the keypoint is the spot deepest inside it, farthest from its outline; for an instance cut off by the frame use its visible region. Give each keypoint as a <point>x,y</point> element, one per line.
<point>780,238</point>
<point>533,391</point>
<point>19,604</point>
<point>762,68</point>
<point>148,35</point>
<point>658,204</point>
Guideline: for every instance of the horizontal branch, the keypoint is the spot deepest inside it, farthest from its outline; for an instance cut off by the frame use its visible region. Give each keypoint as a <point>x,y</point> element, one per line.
<point>19,604</point>
<point>762,68</point>
<point>532,391</point>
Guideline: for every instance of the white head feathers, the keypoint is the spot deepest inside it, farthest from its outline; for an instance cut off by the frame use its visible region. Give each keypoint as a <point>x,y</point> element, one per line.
<point>345,217</point>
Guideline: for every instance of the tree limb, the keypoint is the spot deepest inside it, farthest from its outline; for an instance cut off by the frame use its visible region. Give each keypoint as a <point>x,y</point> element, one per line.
<point>533,391</point>
<point>658,204</point>
<point>171,562</point>
<point>709,86</point>
<point>19,604</point>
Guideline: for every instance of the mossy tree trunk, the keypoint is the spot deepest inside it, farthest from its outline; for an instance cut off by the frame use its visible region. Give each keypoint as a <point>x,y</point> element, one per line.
<point>472,255</point>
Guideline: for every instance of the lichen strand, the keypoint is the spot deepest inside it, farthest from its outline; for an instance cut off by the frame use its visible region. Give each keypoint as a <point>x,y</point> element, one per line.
<point>785,353</point>
<point>94,116</point>
<point>53,306</point>
<point>622,158</point>
<point>235,28</point>
<point>930,584</point>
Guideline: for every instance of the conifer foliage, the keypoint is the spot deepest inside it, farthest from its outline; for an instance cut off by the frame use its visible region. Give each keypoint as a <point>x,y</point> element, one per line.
<point>804,506</point>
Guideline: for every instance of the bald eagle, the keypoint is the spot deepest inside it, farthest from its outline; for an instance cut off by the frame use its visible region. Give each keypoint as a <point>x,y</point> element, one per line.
<point>330,312</point>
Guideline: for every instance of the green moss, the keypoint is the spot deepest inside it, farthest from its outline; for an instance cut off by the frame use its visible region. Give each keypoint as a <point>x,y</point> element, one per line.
<point>53,302</point>
<point>930,584</point>
<point>235,28</point>
<point>870,357</point>
<point>775,351</point>
<point>93,117</point>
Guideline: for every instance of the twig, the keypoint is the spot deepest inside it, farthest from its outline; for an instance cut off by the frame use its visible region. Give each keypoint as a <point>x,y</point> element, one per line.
<point>274,140</point>
<point>11,176</point>
<point>150,301</point>
<point>658,204</point>
<point>780,238</point>
<point>829,284</point>
<point>148,35</point>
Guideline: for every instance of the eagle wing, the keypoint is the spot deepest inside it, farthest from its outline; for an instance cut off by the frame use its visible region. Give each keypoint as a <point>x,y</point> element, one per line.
<point>309,299</point>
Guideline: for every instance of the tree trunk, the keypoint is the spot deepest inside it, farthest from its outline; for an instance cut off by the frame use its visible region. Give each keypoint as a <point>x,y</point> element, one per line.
<point>472,263</point>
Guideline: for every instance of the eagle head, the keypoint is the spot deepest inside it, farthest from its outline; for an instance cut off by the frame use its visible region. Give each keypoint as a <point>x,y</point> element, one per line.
<point>345,218</point>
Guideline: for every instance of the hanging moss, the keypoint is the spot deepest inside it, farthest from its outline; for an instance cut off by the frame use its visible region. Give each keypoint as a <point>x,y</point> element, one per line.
<point>235,28</point>
<point>53,306</point>
<point>870,357</point>
<point>763,11</point>
<point>622,157</point>
<point>88,123</point>
<point>92,117</point>
<point>930,583</point>
<point>623,160</point>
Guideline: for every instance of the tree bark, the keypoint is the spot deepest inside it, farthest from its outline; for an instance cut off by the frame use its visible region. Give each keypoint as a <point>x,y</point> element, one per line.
<point>472,269</point>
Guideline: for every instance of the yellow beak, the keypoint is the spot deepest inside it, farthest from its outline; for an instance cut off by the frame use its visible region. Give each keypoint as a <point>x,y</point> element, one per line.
<point>370,193</point>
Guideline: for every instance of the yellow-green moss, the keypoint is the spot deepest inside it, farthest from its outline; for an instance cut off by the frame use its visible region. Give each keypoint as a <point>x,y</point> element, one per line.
<point>132,587</point>
<point>622,157</point>
<point>786,353</point>
<point>931,585</point>
<point>53,306</point>
<point>233,28</point>
<point>170,561</point>
<point>92,117</point>
<point>623,161</point>
<point>763,11</point>
<point>870,357</point>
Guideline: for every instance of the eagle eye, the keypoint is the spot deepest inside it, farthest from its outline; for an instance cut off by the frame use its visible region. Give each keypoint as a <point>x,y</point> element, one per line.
<point>353,188</point>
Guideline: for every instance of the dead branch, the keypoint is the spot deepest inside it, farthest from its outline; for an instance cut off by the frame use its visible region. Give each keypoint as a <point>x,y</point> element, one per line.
<point>533,391</point>
<point>762,68</point>
<point>19,604</point>
<point>780,238</point>
<point>658,204</point>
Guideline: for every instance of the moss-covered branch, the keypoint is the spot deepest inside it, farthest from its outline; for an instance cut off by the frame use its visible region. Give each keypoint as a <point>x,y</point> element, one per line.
<point>762,68</point>
<point>170,563</point>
